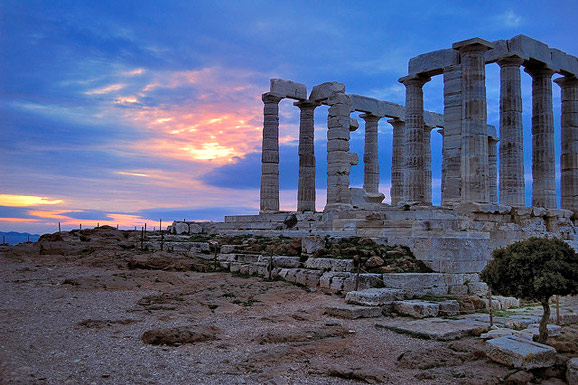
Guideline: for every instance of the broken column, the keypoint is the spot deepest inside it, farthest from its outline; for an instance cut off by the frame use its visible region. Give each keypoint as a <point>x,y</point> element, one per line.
<point>270,154</point>
<point>512,185</point>
<point>452,133</point>
<point>543,164</point>
<point>413,148</point>
<point>569,156</point>
<point>370,156</point>
<point>474,152</point>
<point>396,191</point>
<point>306,182</point>
<point>427,164</point>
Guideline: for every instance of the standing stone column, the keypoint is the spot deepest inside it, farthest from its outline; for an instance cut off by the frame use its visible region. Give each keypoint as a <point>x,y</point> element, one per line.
<point>413,149</point>
<point>493,168</point>
<point>452,137</point>
<point>474,125</point>
<point>427,164</point>
<point>270,154</point>
<point>370,156</point>
<point>569,156</point>
<point>512,184</point>
<point>339,159</point>
<point>306,183</point>
<point>543,164</point>
<point>396,191</point>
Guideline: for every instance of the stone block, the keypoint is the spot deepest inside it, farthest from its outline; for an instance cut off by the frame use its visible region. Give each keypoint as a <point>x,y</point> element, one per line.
<point>478,288</point>
<point>534,330</point>
<point>499,332</point>
<point>391,110</point>
<point>507,302</point>
<point>432,63</point>
<point>520,353</point>
<point>374,296</point>
<point>181,227</point>
<point>325,90</point>
<point>353,311</point>
<point>572,371</point>
<point>329,264</point>
<point>529,48</point>
<point>567,63</point>
<point>365,104</point>
<point>449,308</point>
<point>432,119</point>
<point>499,51</point>
<point>288,89</point>
<point>416,308</point>
<point>353,124</point>
<point>458,290</point>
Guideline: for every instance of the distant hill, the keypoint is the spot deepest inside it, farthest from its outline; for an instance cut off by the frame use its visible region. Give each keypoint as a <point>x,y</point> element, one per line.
<point>14,238</point>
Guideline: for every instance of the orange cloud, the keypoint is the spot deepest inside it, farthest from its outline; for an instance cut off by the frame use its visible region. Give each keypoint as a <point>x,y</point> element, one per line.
<point>106,90</point>
<point>26,200</point>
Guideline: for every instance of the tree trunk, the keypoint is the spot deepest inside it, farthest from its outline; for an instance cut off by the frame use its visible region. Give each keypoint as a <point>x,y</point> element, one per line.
<point>544,322</point>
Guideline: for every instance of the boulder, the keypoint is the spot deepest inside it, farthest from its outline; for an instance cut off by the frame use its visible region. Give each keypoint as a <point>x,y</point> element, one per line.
<point>374,296</point>
<point>309,245</point>
<point>572,371</point>
<point>416,308</point>
<point>520,353</point>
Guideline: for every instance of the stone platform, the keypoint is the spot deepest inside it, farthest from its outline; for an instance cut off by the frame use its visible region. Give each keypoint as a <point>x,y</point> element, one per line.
<point>457,240</point>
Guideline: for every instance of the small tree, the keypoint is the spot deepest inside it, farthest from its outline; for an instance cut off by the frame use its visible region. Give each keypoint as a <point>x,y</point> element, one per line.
<point>534,269</point>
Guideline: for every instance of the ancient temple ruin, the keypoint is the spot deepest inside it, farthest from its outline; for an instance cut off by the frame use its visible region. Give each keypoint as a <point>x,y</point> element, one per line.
<point>482,208</point>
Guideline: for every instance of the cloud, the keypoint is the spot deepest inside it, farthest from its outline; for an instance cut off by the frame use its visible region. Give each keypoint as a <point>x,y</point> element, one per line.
<point>508,19</point>
<point>26,200</point>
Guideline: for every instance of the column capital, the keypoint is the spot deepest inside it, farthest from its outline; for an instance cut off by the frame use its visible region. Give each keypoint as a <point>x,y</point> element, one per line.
<point>370,117</point>
<point>307,104</point>
<point>414,80</point>
<point>268,97</point>
<point>566,81</point>
<point>510,61</point>
<point>539,70</point>
<point>473,45</point>
<point>428,128</point>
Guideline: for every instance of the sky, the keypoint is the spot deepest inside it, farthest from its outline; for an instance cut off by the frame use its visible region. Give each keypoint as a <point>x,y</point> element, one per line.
<point>125,112</point>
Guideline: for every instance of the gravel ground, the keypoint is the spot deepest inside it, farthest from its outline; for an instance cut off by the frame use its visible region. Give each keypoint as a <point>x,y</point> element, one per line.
<point>73,323</point>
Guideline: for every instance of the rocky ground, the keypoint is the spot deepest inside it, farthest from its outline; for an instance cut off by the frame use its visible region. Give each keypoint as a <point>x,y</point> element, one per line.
<point>87,308</point>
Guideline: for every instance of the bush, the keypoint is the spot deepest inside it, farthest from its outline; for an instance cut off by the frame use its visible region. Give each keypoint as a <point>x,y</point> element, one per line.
<point>534,269</point>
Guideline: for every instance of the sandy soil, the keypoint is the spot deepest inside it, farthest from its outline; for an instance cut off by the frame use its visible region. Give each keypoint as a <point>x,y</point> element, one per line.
<point>80,320</point>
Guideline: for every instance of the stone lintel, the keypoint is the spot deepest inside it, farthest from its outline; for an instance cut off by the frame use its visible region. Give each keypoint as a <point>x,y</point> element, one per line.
<point>567,64</point>
<point>323,91</point>
<point>365,104</point>
<point>433,119</point>
<point>288,89</point>
<point>474,43</point>
<point>565,80</point>
<point>433,63</point>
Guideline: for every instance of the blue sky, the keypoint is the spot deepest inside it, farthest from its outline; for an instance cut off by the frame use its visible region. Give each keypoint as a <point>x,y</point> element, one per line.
<point>127,112</point>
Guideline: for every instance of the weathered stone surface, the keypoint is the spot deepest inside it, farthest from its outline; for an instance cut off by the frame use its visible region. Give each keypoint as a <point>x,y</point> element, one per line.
<point>499,332</point>
<point>181,228</point>
<point>325,90</point>
<point>520,353</point>
<point>329,264</point>
<point>432,63</point>
<point>435,328</point>
<point>416,308</point>
<point>449,308</point>
<point>374,296</point>
<point>572,371</point>
<point>354,311</point>
<point>311,244</point>
<point>288,89</point>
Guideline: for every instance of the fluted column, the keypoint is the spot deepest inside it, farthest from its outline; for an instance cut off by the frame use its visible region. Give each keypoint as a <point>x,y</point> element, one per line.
<point>413,149</point>
<point>370,156</point>
<point>569,156</point>
<point>543,163</point>
<point>339,159</point>
<point>270,154</point>
<point>306,182</point>
<point>493,168</point>
<point>452,137</point>
<point>474,124</point>
<point>396,191</point>
<point>427,164</point>
<point>512,184</point>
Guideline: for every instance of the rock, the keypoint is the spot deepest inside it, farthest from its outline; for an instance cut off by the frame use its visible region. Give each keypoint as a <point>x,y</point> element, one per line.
<point>416,308</point>
<point>180,335</point>
<point>374,296</point>
<point>499,332</point>
<point>519,378</point>
<point>572,371</point>
<point>520,353</point>
<point>369,375</point>
<point>181,227</point>
<point>374,262</point>
<point>435,328</point>
<point>449,308</point>
<point>353,311</point>
<point>310,245</point>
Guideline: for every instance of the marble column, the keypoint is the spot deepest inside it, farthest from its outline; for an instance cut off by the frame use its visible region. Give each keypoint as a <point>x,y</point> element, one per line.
<point>427,164</point>
<point>512,185</point>
<point>306,182</point>
<point>370,156</point>
<point>452,137</point>
<point>396,191</point>
<point>270,154</point>
<point>493,168</point>
<point>474,153</point>
<point>543,163</point>
<point>339,159</point>
<point>569,156</point>
<point>413,148</point>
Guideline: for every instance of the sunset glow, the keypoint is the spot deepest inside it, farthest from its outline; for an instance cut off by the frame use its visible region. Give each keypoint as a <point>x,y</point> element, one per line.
<point>26,200</point>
